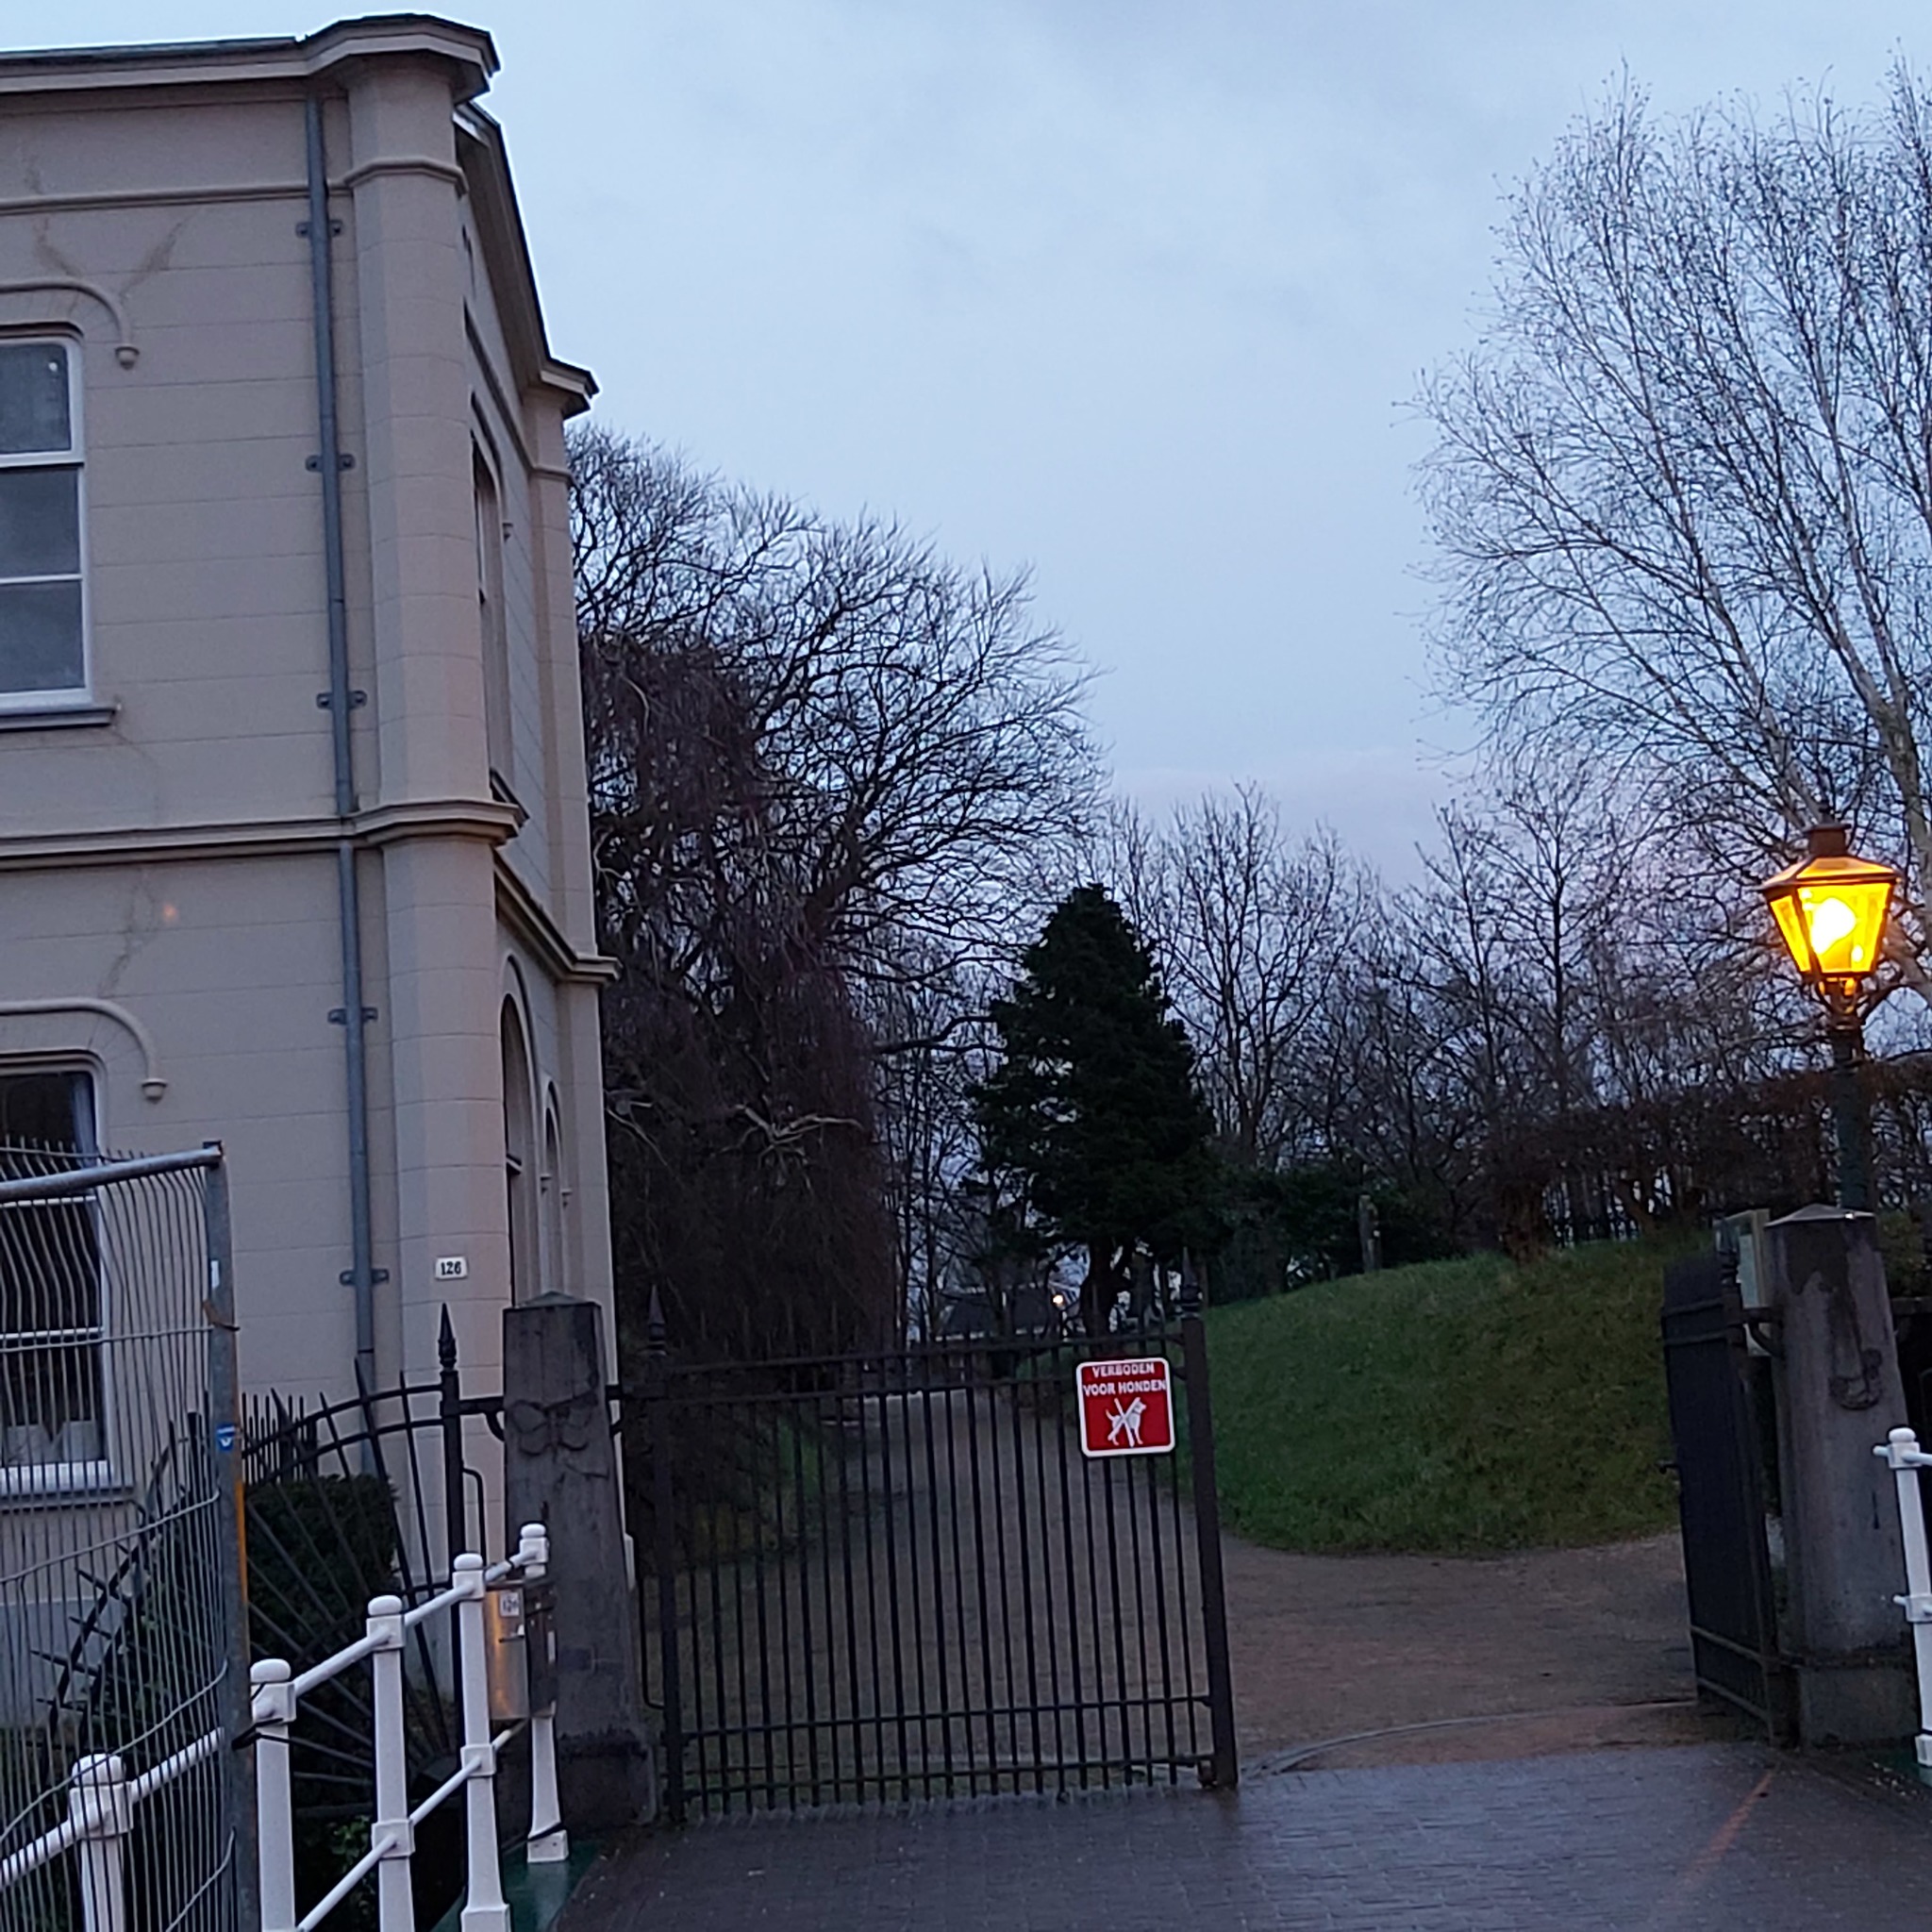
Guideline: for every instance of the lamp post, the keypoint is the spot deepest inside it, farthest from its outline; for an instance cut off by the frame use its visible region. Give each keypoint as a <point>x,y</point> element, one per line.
<point>1831,909</point>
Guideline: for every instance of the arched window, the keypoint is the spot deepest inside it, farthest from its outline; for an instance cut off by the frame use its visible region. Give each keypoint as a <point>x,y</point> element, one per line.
<point>518,1157</point>
<point>494,623</point>
<point>553,1196</point>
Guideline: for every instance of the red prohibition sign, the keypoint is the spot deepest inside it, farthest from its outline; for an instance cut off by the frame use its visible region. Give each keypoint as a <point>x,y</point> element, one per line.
<point>1127,1408</point>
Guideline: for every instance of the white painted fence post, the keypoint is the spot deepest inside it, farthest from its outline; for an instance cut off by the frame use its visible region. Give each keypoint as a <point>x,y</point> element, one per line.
<point>548,1843</point>
<point>1905,1458</point>
<point>98,1803</point>
<point>395,1909</point>
<point>272,1711</point>
<point>483,1907</point>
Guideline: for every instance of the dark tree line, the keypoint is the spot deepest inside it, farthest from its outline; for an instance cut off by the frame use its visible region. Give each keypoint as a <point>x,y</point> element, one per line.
<point>838,787</point>
<point>1558,1033</point>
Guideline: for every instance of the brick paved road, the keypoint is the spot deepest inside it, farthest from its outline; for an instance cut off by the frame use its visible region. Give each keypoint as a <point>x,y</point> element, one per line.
<point>1726,1838</point>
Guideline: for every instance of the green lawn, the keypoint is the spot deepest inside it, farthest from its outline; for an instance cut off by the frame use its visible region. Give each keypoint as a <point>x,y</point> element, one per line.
<point>1458,1406</point>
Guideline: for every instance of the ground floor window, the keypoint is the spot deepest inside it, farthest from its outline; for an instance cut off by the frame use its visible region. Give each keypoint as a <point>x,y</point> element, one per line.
<point>51,1315</point>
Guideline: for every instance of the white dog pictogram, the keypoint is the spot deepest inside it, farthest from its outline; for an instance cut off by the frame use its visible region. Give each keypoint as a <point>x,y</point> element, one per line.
<point>1125,1421</point>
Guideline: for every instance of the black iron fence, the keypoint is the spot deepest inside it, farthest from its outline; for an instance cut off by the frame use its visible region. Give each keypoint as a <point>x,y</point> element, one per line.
<point>876,1576</point>
<point>897,1574</point>
<point>368,1496</point>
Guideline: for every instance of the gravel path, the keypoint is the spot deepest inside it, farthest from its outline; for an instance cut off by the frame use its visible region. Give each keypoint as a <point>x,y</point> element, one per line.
<point>1328,1646</point>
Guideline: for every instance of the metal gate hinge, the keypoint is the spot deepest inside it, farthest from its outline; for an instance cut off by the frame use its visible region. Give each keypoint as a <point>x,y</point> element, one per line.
<point>339,1016</point>
<point>1918,1609</point>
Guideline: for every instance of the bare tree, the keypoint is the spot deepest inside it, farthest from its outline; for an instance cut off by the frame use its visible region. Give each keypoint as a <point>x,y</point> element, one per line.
<point>917,742</point>
<point>826,767</point>
<point>931,1042</point>
<point>1683,486</point>
<point>1251,926</point>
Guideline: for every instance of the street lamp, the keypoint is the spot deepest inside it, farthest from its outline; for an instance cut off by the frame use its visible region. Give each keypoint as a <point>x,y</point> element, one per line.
<point>1831,909</point>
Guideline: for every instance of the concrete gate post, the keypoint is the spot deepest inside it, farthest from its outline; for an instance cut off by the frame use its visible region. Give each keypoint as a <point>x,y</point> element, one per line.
<point>561,1470</point>
<point>1839,1392</point>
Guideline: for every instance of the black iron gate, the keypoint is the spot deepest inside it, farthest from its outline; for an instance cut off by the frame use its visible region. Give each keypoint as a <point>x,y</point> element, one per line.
<point>896,1575</point>
<point>1720,1458</point>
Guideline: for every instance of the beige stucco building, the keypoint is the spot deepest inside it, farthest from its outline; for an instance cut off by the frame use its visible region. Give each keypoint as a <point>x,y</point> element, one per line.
<point>269,680</point>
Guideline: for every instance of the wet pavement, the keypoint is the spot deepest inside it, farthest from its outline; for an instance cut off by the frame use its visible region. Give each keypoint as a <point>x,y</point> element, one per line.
<point>1714,1836</point>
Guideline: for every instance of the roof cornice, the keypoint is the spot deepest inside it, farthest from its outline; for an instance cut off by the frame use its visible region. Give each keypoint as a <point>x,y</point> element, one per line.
<point>284,64</point>
<point>493,201</point>
<point>202,64</point>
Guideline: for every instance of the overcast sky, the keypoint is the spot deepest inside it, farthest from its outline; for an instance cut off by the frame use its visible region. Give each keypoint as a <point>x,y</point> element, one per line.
<point>1128,291</point>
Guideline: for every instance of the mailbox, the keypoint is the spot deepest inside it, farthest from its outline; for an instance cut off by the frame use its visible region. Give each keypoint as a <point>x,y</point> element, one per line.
<point>506,1651</point>
<point>519,1650</point>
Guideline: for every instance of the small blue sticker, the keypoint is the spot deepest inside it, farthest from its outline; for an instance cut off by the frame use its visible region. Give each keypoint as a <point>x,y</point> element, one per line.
<point>225,1436</point>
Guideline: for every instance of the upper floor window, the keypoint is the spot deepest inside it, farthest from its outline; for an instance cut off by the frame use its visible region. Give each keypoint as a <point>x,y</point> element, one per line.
<point>42,648</point>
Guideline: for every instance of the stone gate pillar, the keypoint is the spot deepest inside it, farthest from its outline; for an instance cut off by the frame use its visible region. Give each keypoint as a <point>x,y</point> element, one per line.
<point>1839,1394</point>
<point>561,1470</point>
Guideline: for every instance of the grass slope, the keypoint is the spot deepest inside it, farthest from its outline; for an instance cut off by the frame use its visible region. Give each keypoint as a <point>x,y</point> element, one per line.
<point>1460,1406</point>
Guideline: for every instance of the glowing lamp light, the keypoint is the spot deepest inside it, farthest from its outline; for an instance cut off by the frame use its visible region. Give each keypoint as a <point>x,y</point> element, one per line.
<point>1831,909</point>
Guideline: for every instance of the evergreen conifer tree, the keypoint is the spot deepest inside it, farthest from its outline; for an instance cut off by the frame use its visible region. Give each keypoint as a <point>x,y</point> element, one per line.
<point>1094,1101</point>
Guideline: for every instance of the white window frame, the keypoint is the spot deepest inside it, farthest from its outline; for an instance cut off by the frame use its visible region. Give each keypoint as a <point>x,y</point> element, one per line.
<point>74,696</point>
<point>29,1479</point>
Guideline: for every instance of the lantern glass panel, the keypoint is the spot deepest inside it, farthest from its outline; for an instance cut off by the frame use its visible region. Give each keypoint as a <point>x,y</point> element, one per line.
<point>1790,926</point>
<point>1843,920</point>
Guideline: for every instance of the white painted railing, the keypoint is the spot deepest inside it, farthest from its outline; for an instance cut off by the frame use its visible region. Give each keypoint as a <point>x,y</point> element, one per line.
<point>1907,1460</point>
<point>101,1801</point>
<point>393,1828</point>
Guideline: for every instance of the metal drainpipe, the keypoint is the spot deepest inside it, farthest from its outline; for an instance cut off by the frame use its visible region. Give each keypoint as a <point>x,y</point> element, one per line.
<point>355,1014</point>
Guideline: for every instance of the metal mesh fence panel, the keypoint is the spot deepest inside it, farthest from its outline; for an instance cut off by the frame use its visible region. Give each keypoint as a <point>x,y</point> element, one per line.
<point>118,1565</point>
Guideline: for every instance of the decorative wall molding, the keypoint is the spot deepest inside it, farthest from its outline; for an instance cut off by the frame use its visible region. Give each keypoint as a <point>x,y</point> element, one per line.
<point>125,353</point>
<point>436,166</point>
<point>152,1085</point>
<point>490,820</point>
<point>523,913</point>
<point>86,200</point>
<point>384,825</point>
